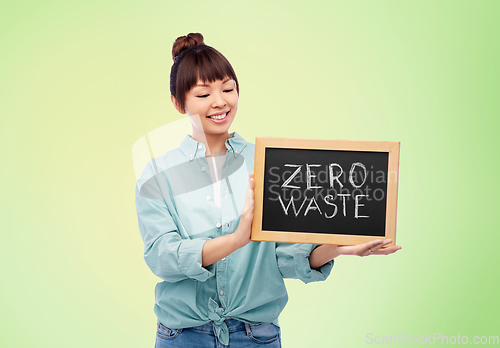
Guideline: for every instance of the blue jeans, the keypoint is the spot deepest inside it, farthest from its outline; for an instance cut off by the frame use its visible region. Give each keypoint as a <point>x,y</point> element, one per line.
<point>240,335</point>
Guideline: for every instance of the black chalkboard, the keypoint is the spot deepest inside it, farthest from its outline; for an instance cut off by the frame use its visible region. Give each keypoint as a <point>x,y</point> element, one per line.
<point>325,191</point>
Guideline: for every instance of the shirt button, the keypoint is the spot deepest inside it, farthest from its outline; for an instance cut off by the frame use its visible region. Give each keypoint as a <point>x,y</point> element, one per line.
<point>223,259</point>
<point>208,197</point>
<point>203,169</point>
<point>191,156</point>
<point>200,146</point>
<point>236,151</point>
<point>222,292</point>
<point>218,225</point>
<point>227,224</point>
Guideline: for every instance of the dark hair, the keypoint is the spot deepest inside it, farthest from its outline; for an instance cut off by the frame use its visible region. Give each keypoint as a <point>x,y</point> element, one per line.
<point>193,61</point>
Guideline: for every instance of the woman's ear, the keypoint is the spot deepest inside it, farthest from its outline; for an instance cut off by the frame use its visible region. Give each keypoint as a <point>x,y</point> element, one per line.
<point>177,105</point>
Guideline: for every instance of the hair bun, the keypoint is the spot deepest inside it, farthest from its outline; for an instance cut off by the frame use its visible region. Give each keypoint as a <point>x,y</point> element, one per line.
<point>183,43</point>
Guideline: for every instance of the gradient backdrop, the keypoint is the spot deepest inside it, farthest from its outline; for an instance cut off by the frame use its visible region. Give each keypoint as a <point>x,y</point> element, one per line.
<point>81,81</point>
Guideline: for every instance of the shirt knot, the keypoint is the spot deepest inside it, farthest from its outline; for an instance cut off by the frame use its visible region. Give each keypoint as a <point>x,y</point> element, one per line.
<point>216,314</point>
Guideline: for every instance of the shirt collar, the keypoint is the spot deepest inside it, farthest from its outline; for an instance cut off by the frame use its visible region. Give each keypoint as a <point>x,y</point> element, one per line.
<point>193,149</point>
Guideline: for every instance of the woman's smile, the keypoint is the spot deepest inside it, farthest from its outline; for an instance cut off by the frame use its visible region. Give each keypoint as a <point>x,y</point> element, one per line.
<point>219,118</point>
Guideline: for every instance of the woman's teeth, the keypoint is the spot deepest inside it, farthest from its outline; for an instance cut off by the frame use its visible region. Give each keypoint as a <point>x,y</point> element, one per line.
<point>219,117</point>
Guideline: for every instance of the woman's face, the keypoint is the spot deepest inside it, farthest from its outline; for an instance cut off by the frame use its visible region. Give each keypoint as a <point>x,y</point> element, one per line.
<point>211,107</point>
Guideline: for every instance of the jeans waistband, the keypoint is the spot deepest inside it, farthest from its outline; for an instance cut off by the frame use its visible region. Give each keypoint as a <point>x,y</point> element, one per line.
<point>232,325</point>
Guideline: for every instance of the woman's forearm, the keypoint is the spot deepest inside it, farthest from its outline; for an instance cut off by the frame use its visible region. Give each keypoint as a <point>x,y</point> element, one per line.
<point>220,247</point>
<point>217,248</point>
<point>323,254</point>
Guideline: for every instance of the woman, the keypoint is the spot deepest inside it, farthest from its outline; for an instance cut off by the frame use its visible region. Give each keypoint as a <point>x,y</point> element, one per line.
<point>195,209</point>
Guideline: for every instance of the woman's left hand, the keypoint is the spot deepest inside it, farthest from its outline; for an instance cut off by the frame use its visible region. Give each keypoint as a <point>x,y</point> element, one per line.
<point>375,247</point>
<point>325,253</point>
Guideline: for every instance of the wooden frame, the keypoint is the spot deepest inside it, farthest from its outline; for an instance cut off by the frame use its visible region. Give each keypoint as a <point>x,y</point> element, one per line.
<point>261,143</point>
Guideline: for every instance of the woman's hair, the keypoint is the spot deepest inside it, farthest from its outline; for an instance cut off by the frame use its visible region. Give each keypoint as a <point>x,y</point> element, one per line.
<point>193,61</point>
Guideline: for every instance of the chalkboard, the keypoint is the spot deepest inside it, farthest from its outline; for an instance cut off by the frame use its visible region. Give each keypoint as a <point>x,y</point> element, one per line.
<point>325,191</point>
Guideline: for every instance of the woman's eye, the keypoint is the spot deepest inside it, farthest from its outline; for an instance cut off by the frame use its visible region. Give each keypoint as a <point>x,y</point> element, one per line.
<point>206,95</point>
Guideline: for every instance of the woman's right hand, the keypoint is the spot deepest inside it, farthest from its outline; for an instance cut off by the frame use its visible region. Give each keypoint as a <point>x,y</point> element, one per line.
<point>242,233</point>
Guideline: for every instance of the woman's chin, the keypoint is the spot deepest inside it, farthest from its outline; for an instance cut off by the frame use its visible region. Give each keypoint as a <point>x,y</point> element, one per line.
<point>221,128</point>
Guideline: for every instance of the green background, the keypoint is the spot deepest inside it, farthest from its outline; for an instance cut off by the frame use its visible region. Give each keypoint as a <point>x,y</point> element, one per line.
<point>80,82</point>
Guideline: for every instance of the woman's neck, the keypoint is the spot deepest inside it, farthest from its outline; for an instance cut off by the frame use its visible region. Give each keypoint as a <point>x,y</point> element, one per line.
<point>214,143</point>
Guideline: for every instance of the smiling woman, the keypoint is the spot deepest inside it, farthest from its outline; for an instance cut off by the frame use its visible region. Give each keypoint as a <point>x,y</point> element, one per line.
<point>195,207</point>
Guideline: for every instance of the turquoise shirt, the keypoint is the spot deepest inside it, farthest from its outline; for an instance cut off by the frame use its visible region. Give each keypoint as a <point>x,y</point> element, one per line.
<point>177,214</point>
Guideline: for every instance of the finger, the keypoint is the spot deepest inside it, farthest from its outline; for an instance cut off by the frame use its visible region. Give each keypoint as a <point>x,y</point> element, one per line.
<point>250,197</point>
<point>388,250</point>
<point>370,246</point>
<point>385,242</point>
<point>251,181</point>
<point>250,187</point>
<point>251,206</point>
<point>367,248</point>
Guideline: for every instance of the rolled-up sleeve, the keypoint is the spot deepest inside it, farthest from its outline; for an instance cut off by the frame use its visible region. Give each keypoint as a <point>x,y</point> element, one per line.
<point>169,256</point>
<point>293,262</point>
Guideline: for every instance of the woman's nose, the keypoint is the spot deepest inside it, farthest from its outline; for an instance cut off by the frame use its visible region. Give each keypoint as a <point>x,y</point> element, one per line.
<point>219,100</point>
